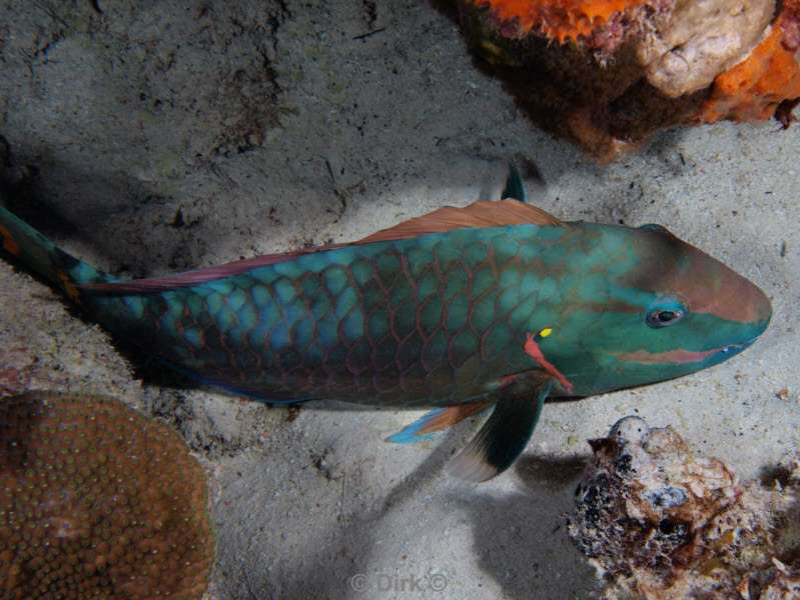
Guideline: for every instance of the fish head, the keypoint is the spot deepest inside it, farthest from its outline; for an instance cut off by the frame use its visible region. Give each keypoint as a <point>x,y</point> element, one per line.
<point>658,308</point>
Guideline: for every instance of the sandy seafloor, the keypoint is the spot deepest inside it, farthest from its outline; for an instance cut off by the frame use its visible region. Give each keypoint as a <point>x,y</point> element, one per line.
<point>160,136</point>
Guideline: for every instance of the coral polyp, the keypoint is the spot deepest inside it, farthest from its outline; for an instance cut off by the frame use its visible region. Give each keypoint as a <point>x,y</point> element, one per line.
<point>98,501</point>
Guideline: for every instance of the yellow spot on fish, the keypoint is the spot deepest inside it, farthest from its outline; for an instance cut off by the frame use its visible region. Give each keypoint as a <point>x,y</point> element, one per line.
<point>546,332</point>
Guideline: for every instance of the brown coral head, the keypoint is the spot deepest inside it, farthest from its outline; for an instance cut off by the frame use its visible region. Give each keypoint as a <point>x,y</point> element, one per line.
<point>97,501</point>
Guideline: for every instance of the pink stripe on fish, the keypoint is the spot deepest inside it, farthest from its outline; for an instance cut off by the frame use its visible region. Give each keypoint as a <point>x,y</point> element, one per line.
<point>535,352</point>
<point>673,356</point>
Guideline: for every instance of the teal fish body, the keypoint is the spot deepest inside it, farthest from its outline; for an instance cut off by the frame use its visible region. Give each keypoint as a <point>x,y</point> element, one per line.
<point>462,317</point>
<point>443,319</point>
<point>434,320</point>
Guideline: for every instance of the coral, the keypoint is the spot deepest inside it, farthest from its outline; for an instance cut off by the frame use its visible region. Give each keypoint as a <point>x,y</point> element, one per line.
<point>608,73</point>
<point>97,501</point>
<point>659,522</point>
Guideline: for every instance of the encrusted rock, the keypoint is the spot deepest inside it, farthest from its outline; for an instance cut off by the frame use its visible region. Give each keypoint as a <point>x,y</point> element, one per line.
<point>659,522</point>
<point>608,73</point>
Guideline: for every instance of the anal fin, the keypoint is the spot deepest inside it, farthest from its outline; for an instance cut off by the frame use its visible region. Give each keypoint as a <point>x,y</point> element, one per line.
<point>435,420</point>
<point>501,439</point>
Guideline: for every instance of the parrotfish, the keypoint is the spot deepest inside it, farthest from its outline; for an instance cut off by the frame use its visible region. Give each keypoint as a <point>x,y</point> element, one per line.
<point>496,304</point>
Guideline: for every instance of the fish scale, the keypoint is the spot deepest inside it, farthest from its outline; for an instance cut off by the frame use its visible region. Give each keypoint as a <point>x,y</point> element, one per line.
<point>433,317</point>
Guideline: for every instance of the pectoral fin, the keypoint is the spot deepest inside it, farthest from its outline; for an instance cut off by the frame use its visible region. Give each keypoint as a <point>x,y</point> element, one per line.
<point>501,439</point>
<point>435,420</point>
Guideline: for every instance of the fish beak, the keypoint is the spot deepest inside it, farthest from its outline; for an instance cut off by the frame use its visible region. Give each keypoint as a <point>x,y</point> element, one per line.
<point>762,307</point>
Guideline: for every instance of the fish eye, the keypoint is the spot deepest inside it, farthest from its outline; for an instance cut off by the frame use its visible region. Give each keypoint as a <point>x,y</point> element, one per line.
<point>664,317</point>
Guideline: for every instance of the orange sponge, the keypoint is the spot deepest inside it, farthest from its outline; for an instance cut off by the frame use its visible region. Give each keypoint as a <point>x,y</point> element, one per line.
<point>559,20</point>
<point>754,89</point>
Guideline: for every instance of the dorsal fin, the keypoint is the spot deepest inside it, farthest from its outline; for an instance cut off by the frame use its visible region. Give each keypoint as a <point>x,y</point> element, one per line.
<point>479,214</point>
<point>515,187</point>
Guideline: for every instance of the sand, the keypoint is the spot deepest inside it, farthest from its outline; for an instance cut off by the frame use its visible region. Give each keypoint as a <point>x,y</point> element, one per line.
<point>155,137</point>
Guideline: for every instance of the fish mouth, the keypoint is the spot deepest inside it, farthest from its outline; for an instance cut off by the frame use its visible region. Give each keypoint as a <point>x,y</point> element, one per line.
<point>734,348</point>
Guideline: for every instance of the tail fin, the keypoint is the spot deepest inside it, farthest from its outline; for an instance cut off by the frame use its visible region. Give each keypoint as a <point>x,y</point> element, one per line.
<point>41,256</point>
